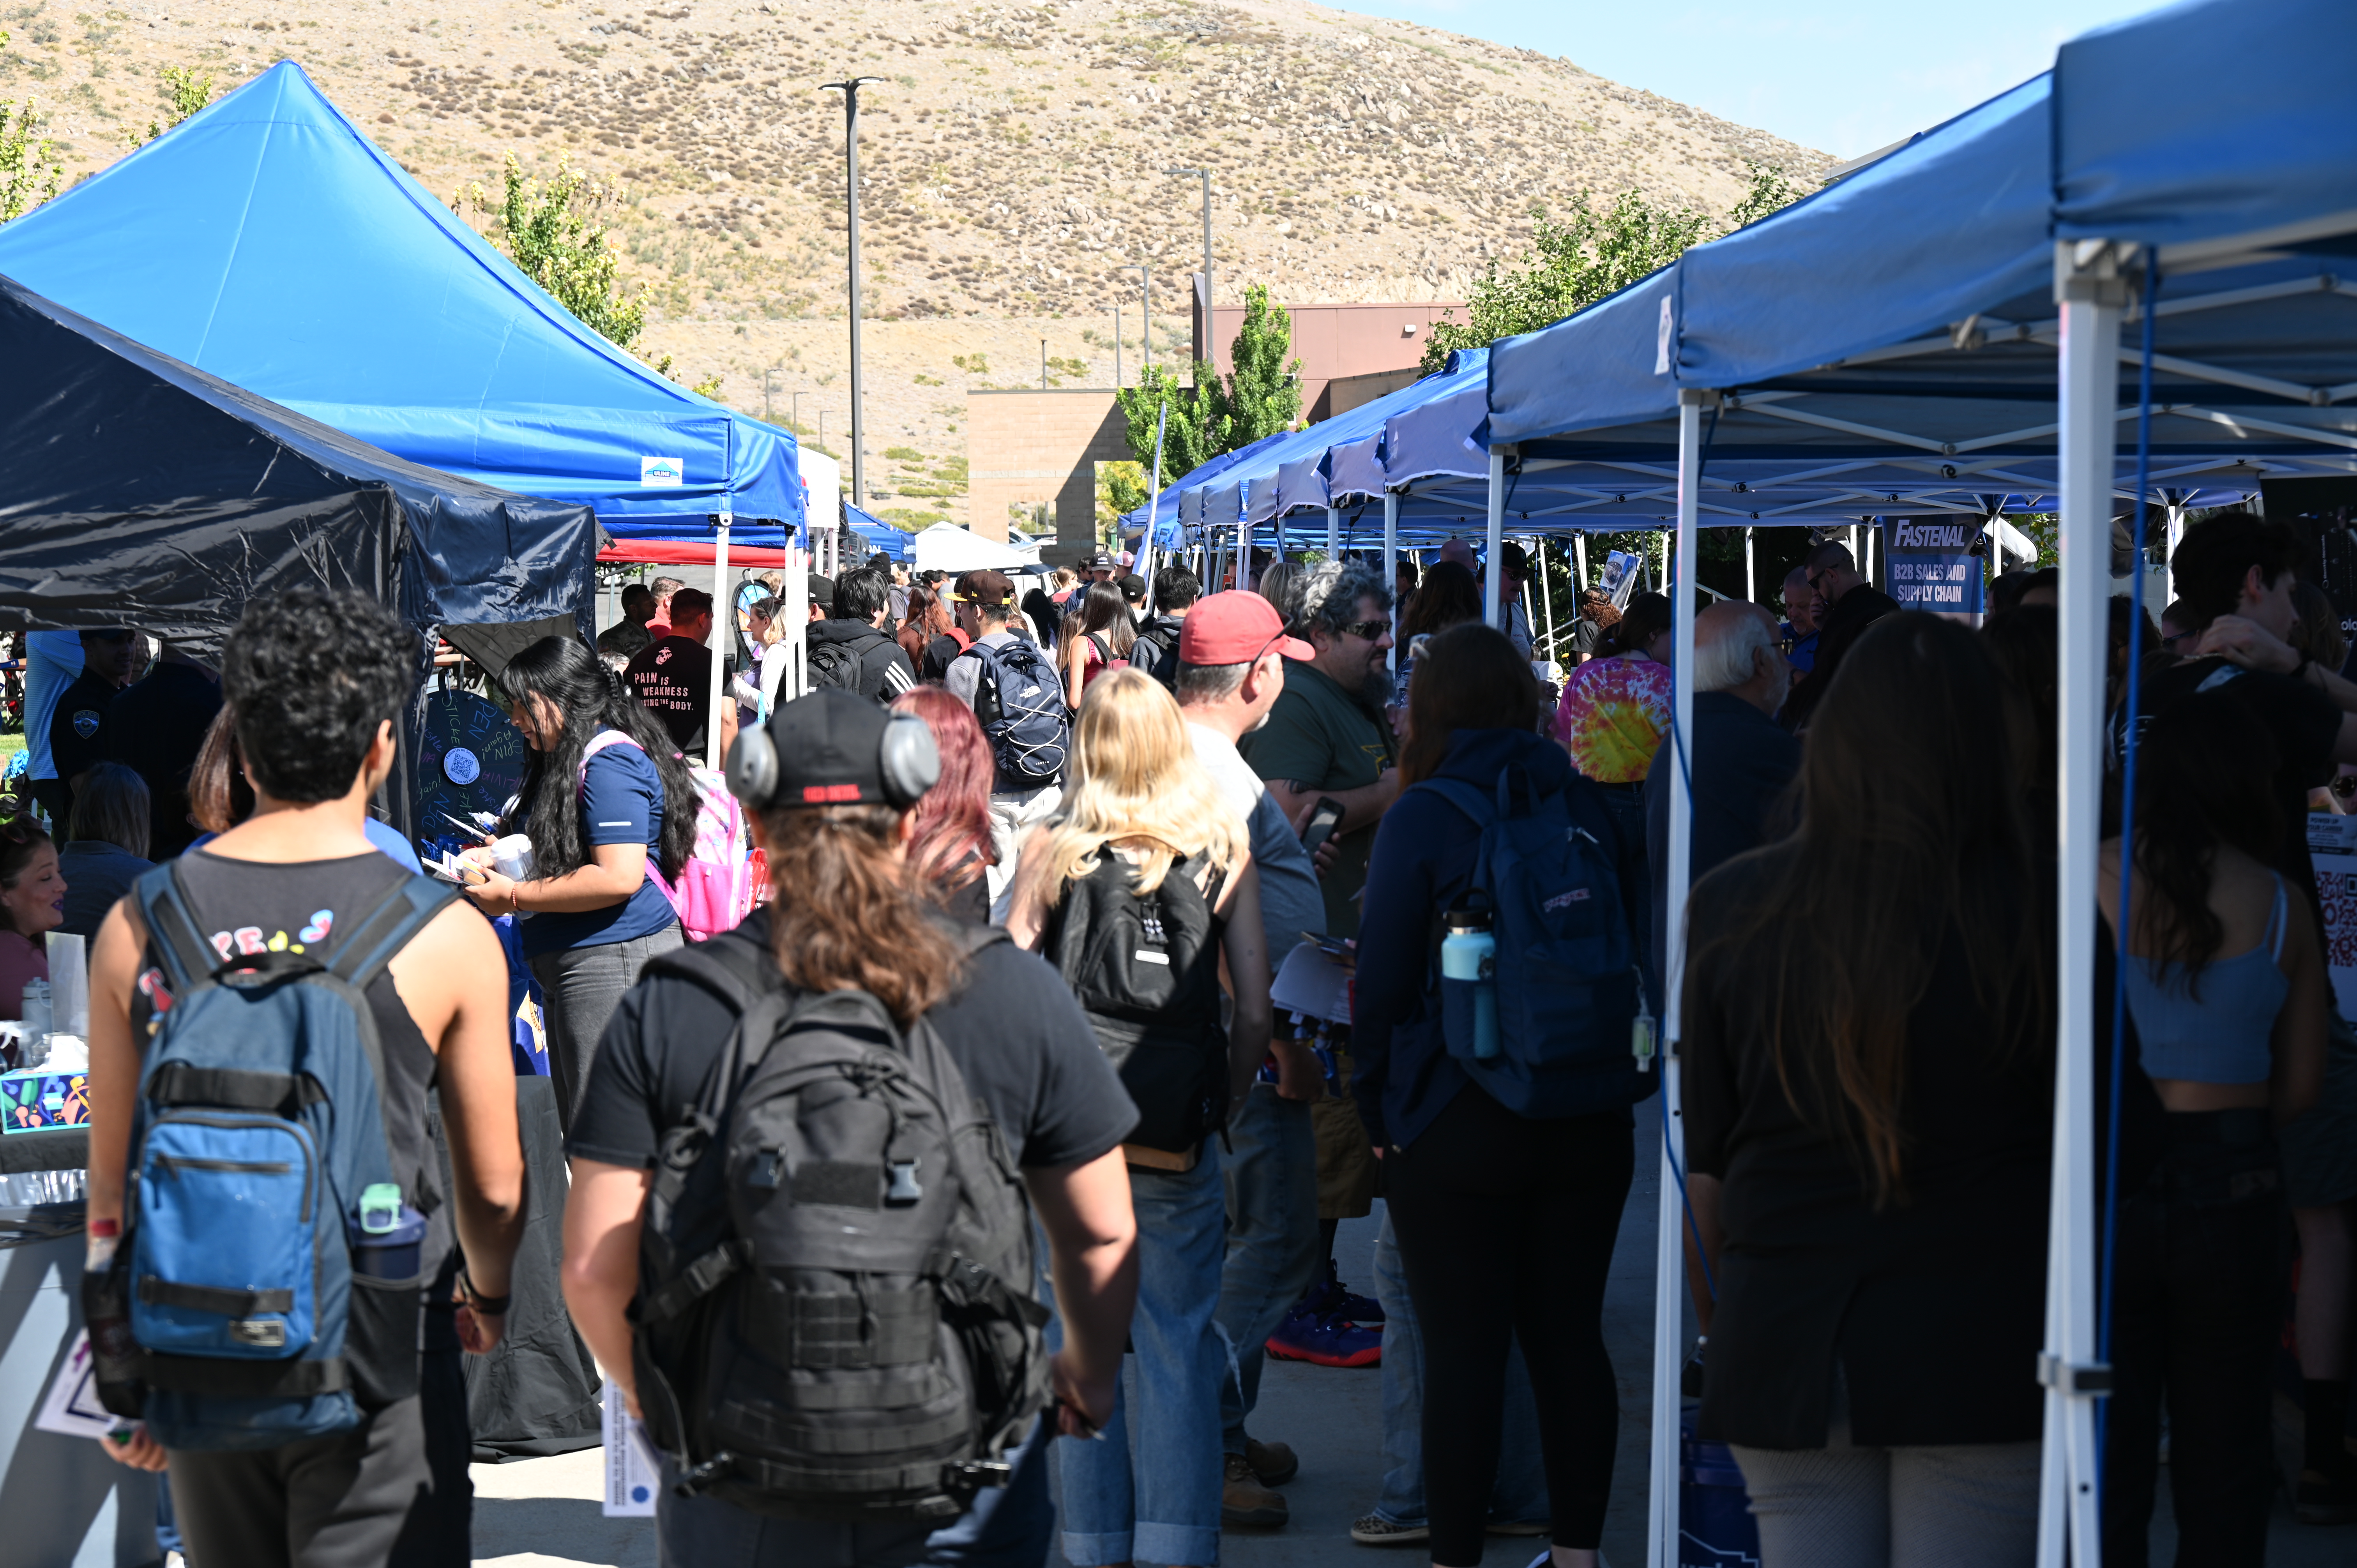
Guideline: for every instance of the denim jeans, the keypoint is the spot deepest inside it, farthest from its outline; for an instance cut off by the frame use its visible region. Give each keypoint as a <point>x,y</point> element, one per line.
<point>1521,1490</point>
<point>1272,1194</point>
<point>1148,1486</point>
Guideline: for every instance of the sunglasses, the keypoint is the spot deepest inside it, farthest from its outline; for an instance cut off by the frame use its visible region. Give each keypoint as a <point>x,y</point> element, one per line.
<point>1368,631</point>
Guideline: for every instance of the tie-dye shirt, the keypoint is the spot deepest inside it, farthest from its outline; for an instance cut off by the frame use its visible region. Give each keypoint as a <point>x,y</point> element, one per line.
<point>1613,716</point>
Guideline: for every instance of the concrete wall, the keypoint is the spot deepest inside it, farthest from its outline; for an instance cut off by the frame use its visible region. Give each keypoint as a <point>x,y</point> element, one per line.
<point>1344,394</point>
<point>1034,446</point>
<point>1342,342</point>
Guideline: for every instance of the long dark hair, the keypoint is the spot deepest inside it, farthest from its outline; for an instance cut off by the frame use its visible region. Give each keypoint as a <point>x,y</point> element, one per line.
<point>1647,617</point>
<point>1448,597</point>
<point>590,697</point>
<point>847,916</point>
<point>1106,611</point>
<point>1912,835</point>
<point>2202,767</point>
<point>1468,677</point>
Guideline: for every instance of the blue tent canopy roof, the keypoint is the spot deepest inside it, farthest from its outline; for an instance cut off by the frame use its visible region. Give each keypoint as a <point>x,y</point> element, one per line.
<point>267,241</point>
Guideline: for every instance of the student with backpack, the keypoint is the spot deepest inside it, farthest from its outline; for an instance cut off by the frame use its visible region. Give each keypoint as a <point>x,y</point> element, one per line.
<point>775,1301</point>
<point>853,650</point>
<point>1144,882</point>
<point>611,811</point>
<point>1013,692</point>
<point>268,1015</point>
<point>1496,1096</point>
<point>1099,641</point>
<point>1156,652</point>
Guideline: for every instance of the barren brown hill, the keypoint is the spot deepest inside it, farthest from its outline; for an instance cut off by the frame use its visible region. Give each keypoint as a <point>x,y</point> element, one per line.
<point>1011,158</point>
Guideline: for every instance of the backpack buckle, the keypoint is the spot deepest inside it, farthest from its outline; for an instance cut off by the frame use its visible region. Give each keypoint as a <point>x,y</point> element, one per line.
<point>769,1169</point>
<point>903,1188</point>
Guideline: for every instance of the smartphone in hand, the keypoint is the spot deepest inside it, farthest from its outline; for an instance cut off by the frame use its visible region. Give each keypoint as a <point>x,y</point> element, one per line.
<point>1324,818</point>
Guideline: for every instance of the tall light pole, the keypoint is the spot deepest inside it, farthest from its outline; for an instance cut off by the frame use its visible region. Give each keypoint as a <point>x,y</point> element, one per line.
<point>1116,345</point>
<point>1211,353</point>
<point>850,87</point>
<point>1145,332</point>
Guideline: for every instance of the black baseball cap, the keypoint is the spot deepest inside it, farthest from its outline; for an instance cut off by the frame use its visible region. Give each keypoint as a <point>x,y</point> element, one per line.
<point>830,749</point>
<point>1101,562</point>
<point>821,591</point>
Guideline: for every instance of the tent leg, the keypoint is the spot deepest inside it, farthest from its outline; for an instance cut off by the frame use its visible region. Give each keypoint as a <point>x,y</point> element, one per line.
<point>1333,534</point>
<point>1579,559</point>
<point>723,637</point>
<point>1547,592</point>
<point>1492,611</point>
<point>1391,565</point>
<point>2092,294</point>
<point>1750,570</point>
<point>2176,538</point>
<point>1669,1245</point>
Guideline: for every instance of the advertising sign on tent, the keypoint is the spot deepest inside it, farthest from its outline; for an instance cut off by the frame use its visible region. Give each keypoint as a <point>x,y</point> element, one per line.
<point>1933,566</point>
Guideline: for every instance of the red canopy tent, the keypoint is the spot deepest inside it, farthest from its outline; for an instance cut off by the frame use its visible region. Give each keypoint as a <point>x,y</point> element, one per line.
<point>664,553</point>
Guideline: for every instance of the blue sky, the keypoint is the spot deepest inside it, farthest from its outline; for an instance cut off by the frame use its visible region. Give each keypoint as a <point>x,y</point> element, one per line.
<point>1845,76</point>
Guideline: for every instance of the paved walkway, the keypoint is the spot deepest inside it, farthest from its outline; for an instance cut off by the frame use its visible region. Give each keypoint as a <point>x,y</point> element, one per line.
<point>543,1513</point>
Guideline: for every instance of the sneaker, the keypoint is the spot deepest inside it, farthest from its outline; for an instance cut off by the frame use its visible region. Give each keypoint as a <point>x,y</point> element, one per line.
<point>1244,1501</point>
<point>1376,1530</point>
<point>1328,1340</point>
<point>1273,1464</point>
<point>2320,1500</point>
<point>1331,1295</point>
<point>1518,1527</point>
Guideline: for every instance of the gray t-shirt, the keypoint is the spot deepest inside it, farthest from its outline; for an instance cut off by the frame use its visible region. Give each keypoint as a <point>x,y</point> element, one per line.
<point>963,677</point>
<point>1290,901</point>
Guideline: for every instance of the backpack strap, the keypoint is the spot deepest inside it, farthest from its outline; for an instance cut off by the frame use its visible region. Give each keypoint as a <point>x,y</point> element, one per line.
<point>1473,802</point>
<point>411,906</point>
<point>732,966</point>
<point>172,927</point>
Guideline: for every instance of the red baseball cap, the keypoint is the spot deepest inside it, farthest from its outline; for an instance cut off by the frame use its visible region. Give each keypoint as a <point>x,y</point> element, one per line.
<point>1235,627</point>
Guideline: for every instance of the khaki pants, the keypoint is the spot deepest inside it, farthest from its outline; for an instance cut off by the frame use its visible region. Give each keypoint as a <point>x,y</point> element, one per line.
<point>1346,1156</point>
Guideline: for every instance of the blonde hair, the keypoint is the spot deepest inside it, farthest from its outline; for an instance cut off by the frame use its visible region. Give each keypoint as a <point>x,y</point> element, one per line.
<point>1134,775</point>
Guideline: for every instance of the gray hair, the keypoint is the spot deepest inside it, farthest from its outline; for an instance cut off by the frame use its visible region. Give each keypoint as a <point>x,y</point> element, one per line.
<point>1728,640</point>
<point>111,807</point>
<point>1210,683</point>
<point>1330,595</point>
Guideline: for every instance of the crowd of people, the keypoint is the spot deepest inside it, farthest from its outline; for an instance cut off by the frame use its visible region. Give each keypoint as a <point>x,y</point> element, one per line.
<point>1056,858</point>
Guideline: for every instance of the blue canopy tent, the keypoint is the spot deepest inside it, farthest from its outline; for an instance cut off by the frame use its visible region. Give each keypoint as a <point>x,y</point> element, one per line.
<point>1945,327</point>
<point>267,241</point>
<point>875,533</point>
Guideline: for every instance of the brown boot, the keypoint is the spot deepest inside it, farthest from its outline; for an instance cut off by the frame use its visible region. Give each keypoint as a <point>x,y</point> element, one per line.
<point>1245,1501</point>
<point>1273,1464</point>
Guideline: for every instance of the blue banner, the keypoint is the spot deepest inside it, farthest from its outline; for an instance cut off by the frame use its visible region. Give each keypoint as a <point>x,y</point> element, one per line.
<point>1932,565</point>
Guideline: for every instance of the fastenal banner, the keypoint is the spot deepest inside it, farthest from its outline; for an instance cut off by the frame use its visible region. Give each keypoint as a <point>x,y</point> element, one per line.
<point>1934,565</point>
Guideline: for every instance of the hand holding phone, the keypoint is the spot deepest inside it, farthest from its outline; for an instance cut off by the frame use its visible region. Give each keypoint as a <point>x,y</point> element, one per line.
<point>1324,818</point>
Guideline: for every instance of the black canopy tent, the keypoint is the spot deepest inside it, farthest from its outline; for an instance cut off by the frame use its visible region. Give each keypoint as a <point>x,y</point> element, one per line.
<point>135,490</point>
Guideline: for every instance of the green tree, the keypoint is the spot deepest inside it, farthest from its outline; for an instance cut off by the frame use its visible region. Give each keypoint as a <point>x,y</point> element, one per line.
<point>1573,263</point>
<point>552,231</point>
<point>184,92</point>
<point>1220,413</point>
<point>29,171</point>
<point>1121,489</point>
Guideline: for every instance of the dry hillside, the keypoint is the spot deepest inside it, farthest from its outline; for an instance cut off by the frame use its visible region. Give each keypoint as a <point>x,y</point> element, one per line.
<point>1011,158</point>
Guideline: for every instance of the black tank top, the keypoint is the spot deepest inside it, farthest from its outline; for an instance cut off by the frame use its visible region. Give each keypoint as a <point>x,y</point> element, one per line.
<point>306,907</point>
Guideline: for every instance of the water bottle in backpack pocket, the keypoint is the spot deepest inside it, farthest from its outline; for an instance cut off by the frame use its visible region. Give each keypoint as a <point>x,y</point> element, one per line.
<point>259,1158</point>
<point>1564,982</point>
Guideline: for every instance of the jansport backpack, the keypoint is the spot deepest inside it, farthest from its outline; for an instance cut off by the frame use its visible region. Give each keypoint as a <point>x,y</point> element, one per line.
<point>1145,969</point>
<point>260,1167</point>
<point>834,1317</point>
<point>1566,977</point>
<point>1020,704</point>
<point>714,889</point>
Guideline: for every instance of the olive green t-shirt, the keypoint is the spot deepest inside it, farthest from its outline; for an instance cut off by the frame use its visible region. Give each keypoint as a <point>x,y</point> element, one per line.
<point>1319,738</point>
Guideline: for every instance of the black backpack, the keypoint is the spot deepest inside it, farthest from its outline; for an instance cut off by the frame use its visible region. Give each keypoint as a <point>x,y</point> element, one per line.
<point>834,664</point>
<point>1162,662</point>
<point>1020,703</point>
<point>1145,969</point>
<point>834,1317</point>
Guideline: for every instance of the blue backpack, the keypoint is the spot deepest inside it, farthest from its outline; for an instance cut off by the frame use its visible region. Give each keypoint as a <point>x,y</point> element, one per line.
<point>258,1134</point>
<point>1568,989</point>
<point>1020,701</point>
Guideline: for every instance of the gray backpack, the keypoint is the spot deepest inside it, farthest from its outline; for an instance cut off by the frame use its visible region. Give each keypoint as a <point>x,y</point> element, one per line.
<point>834,1317</point>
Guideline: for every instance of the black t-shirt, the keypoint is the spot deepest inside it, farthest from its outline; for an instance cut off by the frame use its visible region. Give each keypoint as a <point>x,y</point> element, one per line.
<point>155,727</point>
<point>78,733</point>
<point>1014,1030</point>
<point>2304,723</point>
<point>672,681</point>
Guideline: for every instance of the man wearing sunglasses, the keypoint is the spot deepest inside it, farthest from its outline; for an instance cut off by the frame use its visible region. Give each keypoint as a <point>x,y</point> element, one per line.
<point>1847,605</point>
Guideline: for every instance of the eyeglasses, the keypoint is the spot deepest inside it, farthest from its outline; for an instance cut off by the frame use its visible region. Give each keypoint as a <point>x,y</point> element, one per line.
<point>1813,578</point>
<point>2344,785</point>
<point>1370,631</point>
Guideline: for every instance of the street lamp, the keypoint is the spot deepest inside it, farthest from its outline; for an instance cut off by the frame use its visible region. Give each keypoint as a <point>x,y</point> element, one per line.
<point>1206,249</point>
<point>850,87</point>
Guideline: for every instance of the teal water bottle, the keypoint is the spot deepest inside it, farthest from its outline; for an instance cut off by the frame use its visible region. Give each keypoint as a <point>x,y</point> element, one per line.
<point>1468,952</point>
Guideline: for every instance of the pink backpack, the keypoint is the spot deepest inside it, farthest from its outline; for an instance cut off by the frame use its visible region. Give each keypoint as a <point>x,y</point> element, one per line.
<point>715,891</point>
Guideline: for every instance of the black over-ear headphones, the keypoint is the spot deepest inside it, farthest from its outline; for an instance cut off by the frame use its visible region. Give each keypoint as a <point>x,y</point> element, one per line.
<point>908,762</point>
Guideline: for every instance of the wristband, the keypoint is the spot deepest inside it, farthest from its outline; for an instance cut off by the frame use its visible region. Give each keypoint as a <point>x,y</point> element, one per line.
<point>484,1306</point>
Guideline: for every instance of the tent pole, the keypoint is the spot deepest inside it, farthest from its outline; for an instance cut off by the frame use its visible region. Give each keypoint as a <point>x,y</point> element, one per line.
<point>1490,610</point>
<point>1391,565</point>
<point>723,635</point>
<point>2092,292</point>
<point>2176,538</point>
<point>1580,554</point>
<point>1669,1244</point>
<point>1530,620</point>
<point>1547,592</point>
<point>1750,570</point>
<point>1333,534</point>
